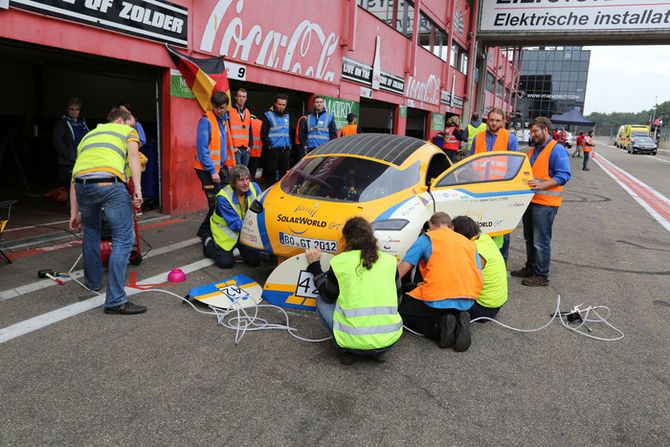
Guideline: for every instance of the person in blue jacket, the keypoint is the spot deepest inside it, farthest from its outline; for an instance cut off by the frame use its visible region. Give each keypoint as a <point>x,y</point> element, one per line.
<point>232,203</point>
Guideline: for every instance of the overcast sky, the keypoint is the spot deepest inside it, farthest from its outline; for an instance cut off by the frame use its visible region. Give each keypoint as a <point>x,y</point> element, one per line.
<point>627,79</point>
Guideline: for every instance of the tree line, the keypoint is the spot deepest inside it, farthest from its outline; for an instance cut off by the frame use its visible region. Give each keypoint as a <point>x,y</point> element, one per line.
<point>609,123</point>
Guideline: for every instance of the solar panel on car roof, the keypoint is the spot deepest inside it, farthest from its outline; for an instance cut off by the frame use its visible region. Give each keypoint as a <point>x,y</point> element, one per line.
<point>390,148</point>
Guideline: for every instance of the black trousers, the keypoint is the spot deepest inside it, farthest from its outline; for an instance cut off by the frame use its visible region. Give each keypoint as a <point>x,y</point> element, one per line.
<point>210,189</point>
<point>276,164</point>
<point>421,318</point>
<point>224,259</point>
<point>254,164</point>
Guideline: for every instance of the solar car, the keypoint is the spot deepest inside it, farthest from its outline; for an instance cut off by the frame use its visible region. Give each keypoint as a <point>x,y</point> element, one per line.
<point>395,182</point>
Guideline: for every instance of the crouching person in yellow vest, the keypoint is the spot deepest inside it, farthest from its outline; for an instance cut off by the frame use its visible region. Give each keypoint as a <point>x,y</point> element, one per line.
<point>358,296</point>
<point>452,281</point>
<point>494,273</point>
<point>232,203</point>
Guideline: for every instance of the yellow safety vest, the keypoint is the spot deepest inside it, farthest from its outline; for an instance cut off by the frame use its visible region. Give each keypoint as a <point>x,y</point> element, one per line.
<point>366,313</point>
<point>494,273</point>
<point>222,234</point>
<point>473,132</point>
<point>105,149</point>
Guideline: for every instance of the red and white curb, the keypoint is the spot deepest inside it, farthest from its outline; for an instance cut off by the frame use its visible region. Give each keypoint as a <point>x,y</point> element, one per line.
<point>651,200</point>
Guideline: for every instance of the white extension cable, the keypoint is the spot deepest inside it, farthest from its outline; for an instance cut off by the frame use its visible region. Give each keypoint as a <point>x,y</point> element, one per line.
<point>239,320</point>
<point>584,316</point>
<point>236,318</point>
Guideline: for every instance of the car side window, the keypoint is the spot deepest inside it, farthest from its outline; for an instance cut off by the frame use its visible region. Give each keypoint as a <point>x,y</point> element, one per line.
<point>490,168</point>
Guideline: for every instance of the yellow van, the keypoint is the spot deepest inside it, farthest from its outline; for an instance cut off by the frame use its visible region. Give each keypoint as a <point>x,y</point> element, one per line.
<point>629,131</point>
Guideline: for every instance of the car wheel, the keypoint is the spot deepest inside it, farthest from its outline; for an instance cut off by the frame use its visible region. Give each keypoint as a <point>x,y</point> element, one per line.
<point>653,153</point>
<point>629,150</point>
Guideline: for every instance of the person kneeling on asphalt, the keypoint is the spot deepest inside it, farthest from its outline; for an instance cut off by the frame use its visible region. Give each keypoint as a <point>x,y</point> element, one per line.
<point>494,273</point>
<point>452,281</point>
<point>232,203</point>
<point>358,296</point>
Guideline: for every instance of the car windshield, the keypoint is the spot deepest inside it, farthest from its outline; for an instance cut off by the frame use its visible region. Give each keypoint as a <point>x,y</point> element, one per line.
<point>348,179</point>
<point>638,134</point>
<point>644,140</point>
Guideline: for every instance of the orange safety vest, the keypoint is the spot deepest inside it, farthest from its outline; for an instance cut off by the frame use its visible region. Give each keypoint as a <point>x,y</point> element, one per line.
<point>502,140</point>
<point>214,143</point>
<point>239,128</point>
<point>552,196</point>
<point>451,271</point>
<point>257,143</point>
<point>451,143</point>
<point>588,144</point>
<point>297,129</point>
<point>349,129</point>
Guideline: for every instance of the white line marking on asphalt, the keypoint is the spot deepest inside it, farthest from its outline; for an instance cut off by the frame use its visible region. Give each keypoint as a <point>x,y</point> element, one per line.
<point>39,285</point>
<point>49,318</point>
<point>66,230</point>
<point>609,169</point>
<point>48,224</point>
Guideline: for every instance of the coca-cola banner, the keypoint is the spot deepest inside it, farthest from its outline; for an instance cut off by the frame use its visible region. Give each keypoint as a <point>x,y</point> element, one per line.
<point>271,34</point>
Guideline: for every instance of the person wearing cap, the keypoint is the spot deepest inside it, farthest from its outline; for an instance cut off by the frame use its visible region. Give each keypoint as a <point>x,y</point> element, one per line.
<point>352,127</point>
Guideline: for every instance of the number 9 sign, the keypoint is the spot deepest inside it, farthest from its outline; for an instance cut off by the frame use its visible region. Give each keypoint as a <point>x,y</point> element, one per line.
<point>236,71</point>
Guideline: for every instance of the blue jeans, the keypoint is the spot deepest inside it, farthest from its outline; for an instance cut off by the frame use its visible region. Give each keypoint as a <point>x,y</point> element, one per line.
<point>114,201</point>
<point>537,223</point>
<point>325,311</point>
<point>586,160</point>
<point>242,158</point>
<point>504,250</point>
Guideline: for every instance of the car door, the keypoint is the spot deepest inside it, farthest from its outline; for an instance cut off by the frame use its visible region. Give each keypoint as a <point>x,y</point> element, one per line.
<point>491,188</point>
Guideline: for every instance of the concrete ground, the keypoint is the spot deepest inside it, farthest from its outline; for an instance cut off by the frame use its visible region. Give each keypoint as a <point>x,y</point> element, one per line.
<point>174,377</point>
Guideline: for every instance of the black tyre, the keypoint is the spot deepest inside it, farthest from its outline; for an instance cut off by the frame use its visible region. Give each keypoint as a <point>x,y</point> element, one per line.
<point>135,258</point>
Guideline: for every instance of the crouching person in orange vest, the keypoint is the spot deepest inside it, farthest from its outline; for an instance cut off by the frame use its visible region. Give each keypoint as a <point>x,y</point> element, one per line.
<point>452,281</point>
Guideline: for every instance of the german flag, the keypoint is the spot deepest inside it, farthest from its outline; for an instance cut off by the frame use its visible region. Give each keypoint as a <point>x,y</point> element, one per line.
<point>203,76</point>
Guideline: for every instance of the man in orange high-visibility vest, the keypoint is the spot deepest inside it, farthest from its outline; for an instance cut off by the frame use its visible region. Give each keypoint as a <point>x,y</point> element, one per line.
<point>212,155</point>
<point>551,170</point>
<point>452,281</point>
<point>239,123</point>
<point>496,138</point>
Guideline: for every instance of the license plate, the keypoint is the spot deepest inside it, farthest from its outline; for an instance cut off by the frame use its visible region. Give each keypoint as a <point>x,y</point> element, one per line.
<point>305,243</point>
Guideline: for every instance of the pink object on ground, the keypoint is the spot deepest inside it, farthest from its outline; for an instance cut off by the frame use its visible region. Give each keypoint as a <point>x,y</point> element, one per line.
<point>176,275</point>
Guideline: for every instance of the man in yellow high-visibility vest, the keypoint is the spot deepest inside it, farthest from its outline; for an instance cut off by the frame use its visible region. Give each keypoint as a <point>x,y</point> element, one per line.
<point>99,186</point>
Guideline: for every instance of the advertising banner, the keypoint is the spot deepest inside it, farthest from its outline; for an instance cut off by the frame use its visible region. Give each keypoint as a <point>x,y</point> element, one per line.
<point>573,16</point>
<point>340,108</point>
<point>437,121</point>
<point>156,20</point>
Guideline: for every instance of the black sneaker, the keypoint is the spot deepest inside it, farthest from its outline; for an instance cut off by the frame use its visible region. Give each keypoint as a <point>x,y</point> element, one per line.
<point>535,281</point>
<point>379,358</point>
<point>523,273</point>
<point>126,308</point>
<point>447,331</point>
<point>347,358</point>
<point>585,169</point>
<point>462,332</point>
